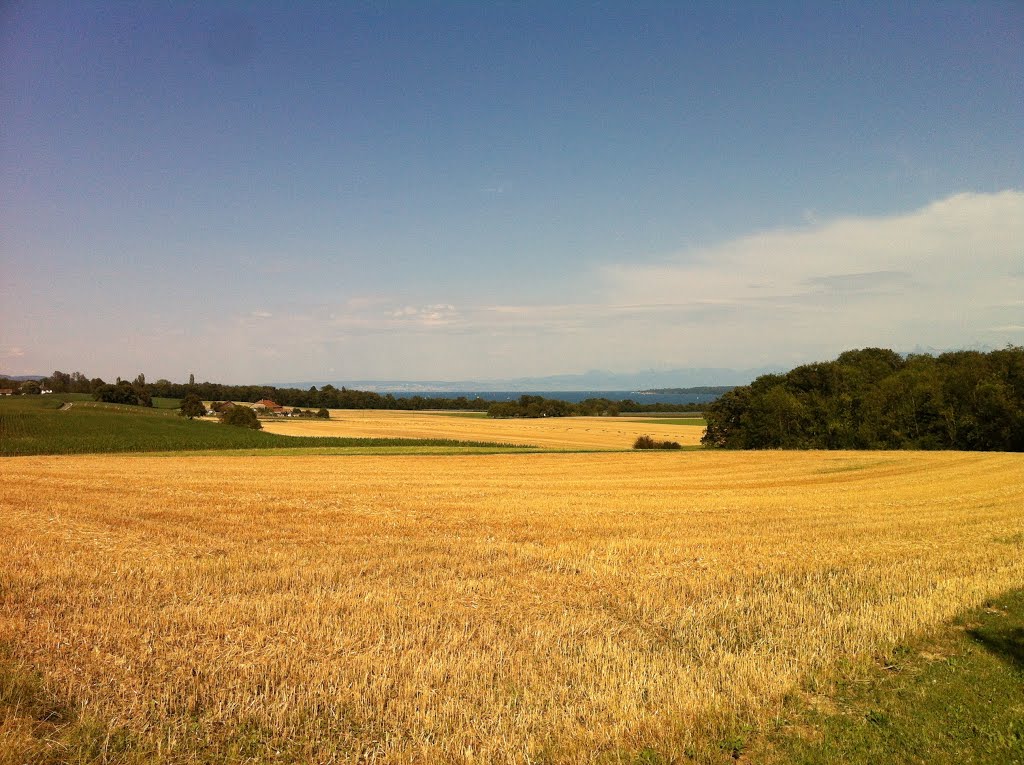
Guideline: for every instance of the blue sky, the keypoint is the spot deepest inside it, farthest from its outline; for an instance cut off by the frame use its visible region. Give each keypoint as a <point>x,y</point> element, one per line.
<point>463,190</point>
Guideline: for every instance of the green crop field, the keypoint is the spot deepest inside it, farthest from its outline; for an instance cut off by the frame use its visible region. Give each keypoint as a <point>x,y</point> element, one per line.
<point>166,403</point>
<point>38,425</point>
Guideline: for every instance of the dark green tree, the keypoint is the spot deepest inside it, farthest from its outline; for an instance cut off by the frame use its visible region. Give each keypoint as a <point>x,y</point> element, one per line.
<point>725,421</point>
<point>192,406</point>
<point>58,382</point>
<point>121,393</point>
<point>242,417</point>
<point>875,399</point>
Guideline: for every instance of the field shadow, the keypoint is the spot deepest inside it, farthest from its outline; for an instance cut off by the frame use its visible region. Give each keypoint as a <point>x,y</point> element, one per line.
<point>1007,645</point>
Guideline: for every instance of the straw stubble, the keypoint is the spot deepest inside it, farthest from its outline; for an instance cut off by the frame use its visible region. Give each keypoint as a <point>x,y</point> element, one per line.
<point>502,608</point>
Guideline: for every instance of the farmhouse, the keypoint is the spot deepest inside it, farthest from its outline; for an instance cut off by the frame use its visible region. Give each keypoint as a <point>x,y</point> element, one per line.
<point>266,405</point>
<point>6,391</point>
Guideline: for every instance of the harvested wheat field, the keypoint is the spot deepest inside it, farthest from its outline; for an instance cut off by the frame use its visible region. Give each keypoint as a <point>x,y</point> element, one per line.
<point>556,608</point>
<point>552,433</point>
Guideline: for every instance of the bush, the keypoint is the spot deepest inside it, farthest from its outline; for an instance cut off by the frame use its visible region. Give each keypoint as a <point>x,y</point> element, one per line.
<point>242,417</point>
<point>646,442</point>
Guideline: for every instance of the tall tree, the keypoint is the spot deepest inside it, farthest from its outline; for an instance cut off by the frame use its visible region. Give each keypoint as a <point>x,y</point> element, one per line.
<point>192,406</point>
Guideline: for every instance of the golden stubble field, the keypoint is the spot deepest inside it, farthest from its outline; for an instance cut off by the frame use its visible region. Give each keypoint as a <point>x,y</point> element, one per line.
<point>494,609</point>
<point>549,433</point>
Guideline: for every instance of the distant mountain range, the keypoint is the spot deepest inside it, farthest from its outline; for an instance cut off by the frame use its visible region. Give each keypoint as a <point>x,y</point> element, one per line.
<point>595,380</point>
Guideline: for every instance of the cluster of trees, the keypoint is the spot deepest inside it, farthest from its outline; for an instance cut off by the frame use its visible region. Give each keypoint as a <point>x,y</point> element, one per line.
<point>320,414</point>
<point>628,406</point>
<point>329,397</point>
<point>192,406</point>
<point>874,398</point>
<point>538,406</point>
<point>239,416</point>
<point>23,387</point>
<point>75,382</point>
<point>123,392</point>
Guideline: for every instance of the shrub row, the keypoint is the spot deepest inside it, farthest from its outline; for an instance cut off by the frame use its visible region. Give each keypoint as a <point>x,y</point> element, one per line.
<point>646,442</point>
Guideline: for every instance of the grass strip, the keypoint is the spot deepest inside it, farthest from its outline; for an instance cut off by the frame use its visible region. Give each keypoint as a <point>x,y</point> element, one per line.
<point>953,696</point>
<point>37,727</point>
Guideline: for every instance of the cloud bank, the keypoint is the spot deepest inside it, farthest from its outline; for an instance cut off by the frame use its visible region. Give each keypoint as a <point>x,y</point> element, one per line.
<point>948,274</point>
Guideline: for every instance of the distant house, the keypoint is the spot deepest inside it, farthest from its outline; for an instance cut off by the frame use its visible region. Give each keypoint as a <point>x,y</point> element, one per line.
<point>6,391</point>
<point>265,404</point>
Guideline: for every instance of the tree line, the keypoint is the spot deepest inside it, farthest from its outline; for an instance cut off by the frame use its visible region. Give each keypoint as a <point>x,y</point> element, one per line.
<point>538,406</point>
<point>705,390</point>
<point>141,392</point>
<point>874,398</point>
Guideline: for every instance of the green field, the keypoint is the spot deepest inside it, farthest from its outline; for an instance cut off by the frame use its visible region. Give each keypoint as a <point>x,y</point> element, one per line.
<point>166,403</point>
<point>38,425</point>
<point>954,695</point>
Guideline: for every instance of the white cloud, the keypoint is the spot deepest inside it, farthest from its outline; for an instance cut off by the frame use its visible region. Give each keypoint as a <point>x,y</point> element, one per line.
<point>977,236</point>
<point>943,275</point>
<point>437,314</point>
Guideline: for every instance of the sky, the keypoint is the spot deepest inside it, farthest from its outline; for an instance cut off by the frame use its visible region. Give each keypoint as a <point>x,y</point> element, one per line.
<point>256,192</point>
